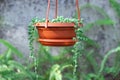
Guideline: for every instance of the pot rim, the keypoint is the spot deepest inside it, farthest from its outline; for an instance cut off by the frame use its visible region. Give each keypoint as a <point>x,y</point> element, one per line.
<point>55,24</point>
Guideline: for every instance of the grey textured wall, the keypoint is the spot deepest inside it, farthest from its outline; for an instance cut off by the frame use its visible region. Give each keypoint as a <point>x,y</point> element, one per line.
<point>18,13</point>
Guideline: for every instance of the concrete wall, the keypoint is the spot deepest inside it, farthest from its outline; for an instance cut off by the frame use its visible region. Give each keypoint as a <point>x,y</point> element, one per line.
<point>17,14</point>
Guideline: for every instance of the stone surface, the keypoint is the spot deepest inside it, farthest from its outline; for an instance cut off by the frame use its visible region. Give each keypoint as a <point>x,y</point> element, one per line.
<point>17,14</point>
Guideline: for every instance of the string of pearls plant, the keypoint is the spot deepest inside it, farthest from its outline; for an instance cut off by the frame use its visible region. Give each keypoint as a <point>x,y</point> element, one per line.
<point>76,49</point>
<point>31,37</point>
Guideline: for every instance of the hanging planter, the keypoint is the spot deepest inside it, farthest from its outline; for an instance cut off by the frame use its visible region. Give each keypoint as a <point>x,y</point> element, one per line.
<point>59,31</point>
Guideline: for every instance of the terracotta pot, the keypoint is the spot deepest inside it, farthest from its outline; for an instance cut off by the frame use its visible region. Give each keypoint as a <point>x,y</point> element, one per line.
<point>56,30</point>
<point>56,34</point>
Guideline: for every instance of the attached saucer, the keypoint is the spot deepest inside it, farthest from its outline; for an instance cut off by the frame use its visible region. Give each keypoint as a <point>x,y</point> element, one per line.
<point>57,42</point>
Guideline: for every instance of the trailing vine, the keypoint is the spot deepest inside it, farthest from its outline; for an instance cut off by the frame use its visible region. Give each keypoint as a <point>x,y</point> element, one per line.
<point>31,37</point>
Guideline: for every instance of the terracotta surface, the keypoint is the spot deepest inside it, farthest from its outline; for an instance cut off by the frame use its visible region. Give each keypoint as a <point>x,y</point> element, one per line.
<point>56,34</point>
<point>57,42</point>
<point>56,30</point>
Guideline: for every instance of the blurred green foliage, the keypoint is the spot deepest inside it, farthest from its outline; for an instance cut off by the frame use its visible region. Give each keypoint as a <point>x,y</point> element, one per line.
<point>10,69</point>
